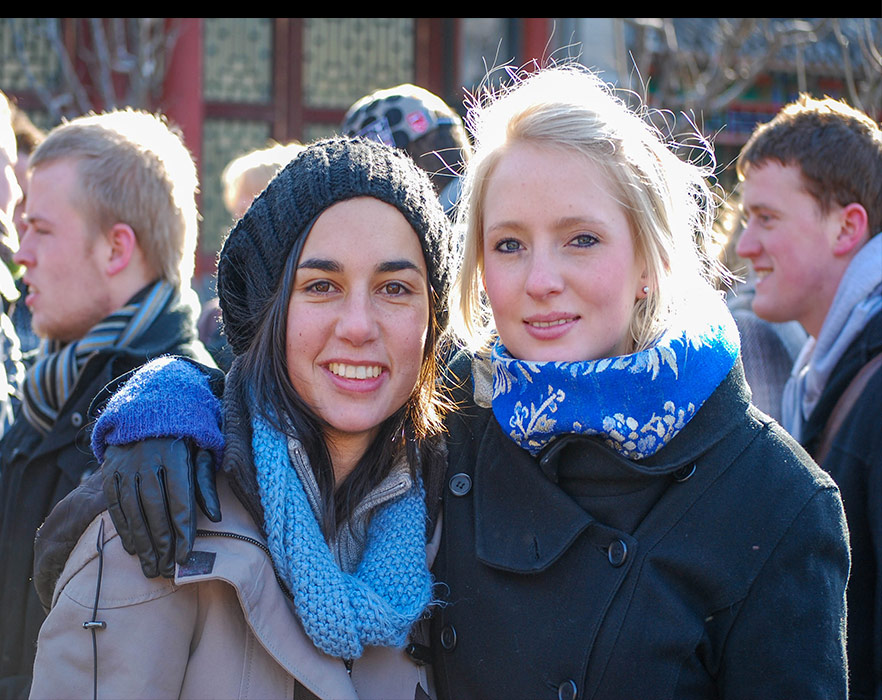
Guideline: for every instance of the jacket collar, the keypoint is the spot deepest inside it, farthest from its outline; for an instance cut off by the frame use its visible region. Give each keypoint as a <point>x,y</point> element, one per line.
<point>269,613</point>
<point>524,522</point>
<point>724,409</point>
<point>866,346</point>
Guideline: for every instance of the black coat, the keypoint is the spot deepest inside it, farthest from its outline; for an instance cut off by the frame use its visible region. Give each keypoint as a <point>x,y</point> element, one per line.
<point>855,463</point>
<point>714,569</point>
<point>37,471</point>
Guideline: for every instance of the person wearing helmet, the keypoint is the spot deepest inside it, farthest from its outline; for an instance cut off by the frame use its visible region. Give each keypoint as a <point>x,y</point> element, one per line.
<point>420,123</point>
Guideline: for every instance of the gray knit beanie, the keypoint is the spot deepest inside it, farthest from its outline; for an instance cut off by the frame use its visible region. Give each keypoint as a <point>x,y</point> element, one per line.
<point>253,258</point>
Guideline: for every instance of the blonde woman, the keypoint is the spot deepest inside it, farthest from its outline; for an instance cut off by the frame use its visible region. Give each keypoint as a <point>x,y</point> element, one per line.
<point>623,522</point>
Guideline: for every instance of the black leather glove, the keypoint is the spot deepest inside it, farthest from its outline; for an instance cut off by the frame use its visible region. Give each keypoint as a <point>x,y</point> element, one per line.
<point>152,488</point>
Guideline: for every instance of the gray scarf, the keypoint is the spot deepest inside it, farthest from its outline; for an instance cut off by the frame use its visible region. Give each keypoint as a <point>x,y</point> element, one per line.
<point>351,537</point>
<point>857,300</point>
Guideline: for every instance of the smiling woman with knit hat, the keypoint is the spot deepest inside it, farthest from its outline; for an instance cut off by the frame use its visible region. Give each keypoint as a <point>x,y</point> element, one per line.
<point>333,289</point>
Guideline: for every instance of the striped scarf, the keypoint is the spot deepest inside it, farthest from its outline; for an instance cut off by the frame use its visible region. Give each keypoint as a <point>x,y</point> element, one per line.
<point>54,374</point>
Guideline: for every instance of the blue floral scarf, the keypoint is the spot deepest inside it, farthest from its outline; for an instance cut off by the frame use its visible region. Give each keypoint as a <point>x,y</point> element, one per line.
<point>636,402</point>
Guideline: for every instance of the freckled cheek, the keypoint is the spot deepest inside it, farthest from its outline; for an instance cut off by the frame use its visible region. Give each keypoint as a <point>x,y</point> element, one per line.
<point>502,287</point>
<point>306,324</point>
<point>297,361</point>
<point>303,370</point>
<point>406,340</point>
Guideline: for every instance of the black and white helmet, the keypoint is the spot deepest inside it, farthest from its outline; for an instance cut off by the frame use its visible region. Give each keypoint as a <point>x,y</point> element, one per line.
<point>398,116</point>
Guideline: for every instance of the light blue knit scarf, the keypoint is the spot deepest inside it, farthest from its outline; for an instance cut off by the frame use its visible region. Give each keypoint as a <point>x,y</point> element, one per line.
<point>341,612</point>
<point>636,402</point>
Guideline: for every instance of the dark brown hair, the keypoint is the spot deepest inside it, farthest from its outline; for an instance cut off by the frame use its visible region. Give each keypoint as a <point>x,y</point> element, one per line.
<point>837,148</point>
<point>27,135</point>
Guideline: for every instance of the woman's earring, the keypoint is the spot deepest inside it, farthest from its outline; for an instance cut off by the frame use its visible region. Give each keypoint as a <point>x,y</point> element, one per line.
<point>646,289</point>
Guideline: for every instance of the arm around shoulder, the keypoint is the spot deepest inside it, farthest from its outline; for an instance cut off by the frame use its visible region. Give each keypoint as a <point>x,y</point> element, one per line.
<point>159,438</point>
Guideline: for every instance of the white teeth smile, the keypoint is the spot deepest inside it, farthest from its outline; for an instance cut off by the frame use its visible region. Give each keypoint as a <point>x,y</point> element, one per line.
<point>548,324</point>
<point>355,371</point>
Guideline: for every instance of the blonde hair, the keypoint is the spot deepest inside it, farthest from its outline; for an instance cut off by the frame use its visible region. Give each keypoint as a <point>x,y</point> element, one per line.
<point>133,169</point>
<point>668,202</point>
<point>255,169</point>
<point>7,134</point>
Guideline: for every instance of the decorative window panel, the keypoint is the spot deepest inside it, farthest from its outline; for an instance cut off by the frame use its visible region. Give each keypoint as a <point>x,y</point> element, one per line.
<point>346,58</point>
<point>238,59</point>
<point>223,140</point>
<point>29,40</point>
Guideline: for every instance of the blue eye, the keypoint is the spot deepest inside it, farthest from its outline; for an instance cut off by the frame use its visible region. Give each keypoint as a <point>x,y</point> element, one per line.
<point>763,218</point>
<point>584,240</point>
<point>508,245</point>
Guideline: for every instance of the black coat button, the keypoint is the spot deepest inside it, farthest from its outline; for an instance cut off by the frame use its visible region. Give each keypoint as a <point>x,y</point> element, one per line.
<point>567,690</point>
<point>420,653</point>
<point>448,638</point>
<point>76,419</point>
<point>617,552</point>
<point>460,484</point>
<point>684,472</point>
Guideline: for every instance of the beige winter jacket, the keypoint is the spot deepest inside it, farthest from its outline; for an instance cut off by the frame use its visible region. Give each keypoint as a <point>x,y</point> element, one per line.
<point>223,628</point>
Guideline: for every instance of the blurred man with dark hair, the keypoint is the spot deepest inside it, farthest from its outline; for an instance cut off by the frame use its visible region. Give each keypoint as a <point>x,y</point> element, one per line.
<point>812,196</point>
<point>11,368</point>
<point>27,138</point>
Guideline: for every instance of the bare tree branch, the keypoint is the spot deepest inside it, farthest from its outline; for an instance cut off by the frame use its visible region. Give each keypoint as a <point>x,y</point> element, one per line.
<point>126,59</point>
<point>868,46</point>
<point>716,62</point>
<point>102,63</point>
<point>71,80</point>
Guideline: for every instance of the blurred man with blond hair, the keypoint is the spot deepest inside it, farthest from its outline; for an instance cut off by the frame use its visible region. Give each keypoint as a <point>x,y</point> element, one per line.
<point>247,175</point>
<point>108,252</point>
<point>11,368</point>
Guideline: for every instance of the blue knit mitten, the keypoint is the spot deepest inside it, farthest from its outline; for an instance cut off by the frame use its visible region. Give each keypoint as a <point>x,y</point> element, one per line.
<point>167,397</point>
